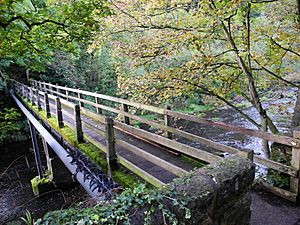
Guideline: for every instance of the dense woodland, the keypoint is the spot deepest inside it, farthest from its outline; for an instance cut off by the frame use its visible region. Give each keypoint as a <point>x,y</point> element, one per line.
<point>163,52</point>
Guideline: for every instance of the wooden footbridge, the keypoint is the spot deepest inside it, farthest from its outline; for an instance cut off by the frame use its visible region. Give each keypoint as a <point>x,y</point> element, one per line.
<point>115,127</point>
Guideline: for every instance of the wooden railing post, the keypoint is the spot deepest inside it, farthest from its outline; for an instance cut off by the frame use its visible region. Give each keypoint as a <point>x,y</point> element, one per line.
<point>53,91</point>
<point>60,122</point>
<point>23,91</point>
<point>111,155</point>
<point>40,86</point>
<point>67,95</point>
<point>44,88</point>
<point>78,124</point>
<point>38,100</point>
<point>99,110</point>
<point>47,106</point>
<point>126,118</point>
<point>32,96</point>
<point>295,162</point>
<point>79,99</point>
<point>28,94</point>
<point>246,153</point>
<point>168,122</point>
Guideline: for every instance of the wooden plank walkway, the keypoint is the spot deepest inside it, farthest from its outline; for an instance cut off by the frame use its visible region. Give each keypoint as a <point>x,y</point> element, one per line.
<point>156,171</point>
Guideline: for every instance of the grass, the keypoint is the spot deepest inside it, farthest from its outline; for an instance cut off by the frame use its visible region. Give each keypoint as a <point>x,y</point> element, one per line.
<point>199,110</point>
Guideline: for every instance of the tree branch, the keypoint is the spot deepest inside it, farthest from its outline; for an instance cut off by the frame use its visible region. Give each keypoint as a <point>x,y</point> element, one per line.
<point>275,75</point>
<point>4,25</point>
<point>208,92</point>
<point>286,49</point>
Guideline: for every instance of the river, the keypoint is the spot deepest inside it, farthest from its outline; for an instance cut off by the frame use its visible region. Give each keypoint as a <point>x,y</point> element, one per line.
<point>280,105</point>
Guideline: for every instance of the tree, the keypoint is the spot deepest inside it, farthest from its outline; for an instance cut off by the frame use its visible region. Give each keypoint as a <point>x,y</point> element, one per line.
<point>218,48</point>
<point>94,71</point>
<point>30,30</point>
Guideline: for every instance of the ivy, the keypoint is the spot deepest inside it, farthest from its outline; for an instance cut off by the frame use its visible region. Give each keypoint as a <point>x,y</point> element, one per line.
<point>122,209</point>
<point>12,127</point>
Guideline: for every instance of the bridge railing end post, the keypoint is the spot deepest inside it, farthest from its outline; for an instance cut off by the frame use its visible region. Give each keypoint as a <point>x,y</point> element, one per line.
<point>295,162</point>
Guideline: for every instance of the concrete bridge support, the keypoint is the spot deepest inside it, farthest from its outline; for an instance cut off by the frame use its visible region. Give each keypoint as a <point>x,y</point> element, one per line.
<point>54,173</point>
<point>59,175</point>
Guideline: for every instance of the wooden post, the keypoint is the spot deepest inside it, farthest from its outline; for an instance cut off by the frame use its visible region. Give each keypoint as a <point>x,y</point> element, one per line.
<point>295,162</point>
<point>78,124</point>
<point>28,93</point>
<point>246,153</point>
<point>60,122</point>
<point>53,91</point>
<point>38,100</point>
<point>79,99</point>
<point>47,106</point>
<point>168,122</point>
<point>40,86</point>
<point>99,110</point>
<point>111,155</point>
<point>48,158</point>
<point>126,118</point>
<point>23,91</point>
<point>44,88</point>
<point>67,94</point>
<point>32,96</point>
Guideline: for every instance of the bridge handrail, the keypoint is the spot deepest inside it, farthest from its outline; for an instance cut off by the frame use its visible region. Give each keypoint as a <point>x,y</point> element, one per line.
<point>289,141</point>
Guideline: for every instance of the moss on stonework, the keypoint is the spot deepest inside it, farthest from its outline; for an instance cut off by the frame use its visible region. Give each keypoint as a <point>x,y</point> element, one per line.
<point>36,182</point>
<point>194,162</point>
<point>122,176</point>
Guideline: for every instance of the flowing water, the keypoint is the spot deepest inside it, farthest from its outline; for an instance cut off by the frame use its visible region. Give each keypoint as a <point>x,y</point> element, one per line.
<point>280,108</point>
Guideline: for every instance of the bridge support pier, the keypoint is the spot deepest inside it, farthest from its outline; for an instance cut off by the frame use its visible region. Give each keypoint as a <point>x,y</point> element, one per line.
<point>59,174</point>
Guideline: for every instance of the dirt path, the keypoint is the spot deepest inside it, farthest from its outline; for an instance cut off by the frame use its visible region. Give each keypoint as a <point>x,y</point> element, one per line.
<point>268,209</point>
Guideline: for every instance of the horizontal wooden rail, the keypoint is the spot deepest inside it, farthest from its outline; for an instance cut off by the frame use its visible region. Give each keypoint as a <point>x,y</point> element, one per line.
<point>186,149</point>
<point>279,191</point>
<point>255,133</point>
<point>97,130</point>
<point>110,98</point>
<point>276,166</point>
<point>93,116</point>
<point>151,158</point>
<point>138,171</point>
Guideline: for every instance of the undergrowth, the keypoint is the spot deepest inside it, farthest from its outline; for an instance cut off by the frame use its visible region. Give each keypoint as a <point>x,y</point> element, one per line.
<point>123,208</point>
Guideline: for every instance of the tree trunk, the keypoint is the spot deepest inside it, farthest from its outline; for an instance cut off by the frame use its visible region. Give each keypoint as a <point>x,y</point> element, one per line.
<point>265,143</point>
<point>296,116</point>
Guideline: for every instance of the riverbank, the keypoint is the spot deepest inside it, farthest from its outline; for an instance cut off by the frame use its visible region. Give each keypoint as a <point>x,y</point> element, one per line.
<point>17,168</point>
